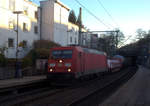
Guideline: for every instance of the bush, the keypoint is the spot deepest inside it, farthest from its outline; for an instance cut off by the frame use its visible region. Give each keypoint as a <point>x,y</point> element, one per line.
<point>26,62</point>
<point>3,60</point>
<point>41,50</point>
<point>38,54</point>
<point>44,44</point>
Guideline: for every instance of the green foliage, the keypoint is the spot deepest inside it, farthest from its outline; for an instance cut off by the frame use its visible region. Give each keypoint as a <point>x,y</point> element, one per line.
<point>140,33</point>
<point>44,44</point>
<point>3,60</point>
<point>110,41</point>
<point>79,21</point>
<point>41,50</point>
<point>107,44</point>
<point>72,17</point>
<point>2,50</point>
<point>26,62</point>
<point>141,45</point>
<point>121,37</point>
<point>40,53</point>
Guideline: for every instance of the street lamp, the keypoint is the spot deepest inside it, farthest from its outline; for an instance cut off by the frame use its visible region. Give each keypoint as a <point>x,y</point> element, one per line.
<point>17,12</point>
<point>18,71</point>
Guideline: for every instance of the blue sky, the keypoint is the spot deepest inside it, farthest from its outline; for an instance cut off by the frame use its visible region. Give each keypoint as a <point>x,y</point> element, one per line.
<point>128,14</point>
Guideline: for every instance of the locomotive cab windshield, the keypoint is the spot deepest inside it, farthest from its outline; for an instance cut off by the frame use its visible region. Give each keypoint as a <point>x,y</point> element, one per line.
<point>61,54</point>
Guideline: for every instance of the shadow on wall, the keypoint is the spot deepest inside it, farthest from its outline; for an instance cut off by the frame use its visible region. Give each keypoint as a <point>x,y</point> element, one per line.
<point>56,32</point>
<point>61,34</point>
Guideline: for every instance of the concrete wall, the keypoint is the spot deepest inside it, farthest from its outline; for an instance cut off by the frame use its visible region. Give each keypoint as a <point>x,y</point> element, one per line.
<point>47,20</point>
<point>73,33</point>
<point>60,24</point>
<point>54,21</point>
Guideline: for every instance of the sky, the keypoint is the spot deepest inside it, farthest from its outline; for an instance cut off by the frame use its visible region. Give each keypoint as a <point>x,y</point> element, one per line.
<point>127,15</point>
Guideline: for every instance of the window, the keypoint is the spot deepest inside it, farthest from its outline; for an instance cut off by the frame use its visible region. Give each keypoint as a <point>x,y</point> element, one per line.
<point>35,29</point>
<point>12,5</point>
<point>11,24</point>
<point>10,42</point>
<point>25,27</point>
<point>24,44</point>
<point>36,15</point>
<point>70,39</point>
<point>75,40</point>
<point>65,54</point>
<point>25,10</point>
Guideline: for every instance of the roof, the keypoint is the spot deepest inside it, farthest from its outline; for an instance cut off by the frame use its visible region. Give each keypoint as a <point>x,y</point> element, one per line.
<point>30,2</point>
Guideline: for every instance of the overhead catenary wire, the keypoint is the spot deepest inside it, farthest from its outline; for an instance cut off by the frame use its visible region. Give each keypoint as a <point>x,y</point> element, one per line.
<point>125,40</point>
<point>106,25</point>
<point>93,14</point>
<point>108,13</point>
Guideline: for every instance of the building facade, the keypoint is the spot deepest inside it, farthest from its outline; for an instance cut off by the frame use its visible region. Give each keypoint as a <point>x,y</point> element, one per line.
<point>94,41</point>
<point>73,34</point>
<point>55,27</point>
<point>54,21</point>
<point>27,26</point>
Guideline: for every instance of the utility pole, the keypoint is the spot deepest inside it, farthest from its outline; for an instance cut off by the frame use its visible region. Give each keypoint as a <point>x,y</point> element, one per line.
<point>18,71</point>
<point>117,33</point>
<point>80,26</point>
<point>17,12</point>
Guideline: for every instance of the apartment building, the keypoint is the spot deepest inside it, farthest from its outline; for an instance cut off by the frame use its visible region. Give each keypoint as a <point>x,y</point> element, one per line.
<point>73,34</point>
<point>27,26</point>
<point>54,21</point>
<point>55,27</point>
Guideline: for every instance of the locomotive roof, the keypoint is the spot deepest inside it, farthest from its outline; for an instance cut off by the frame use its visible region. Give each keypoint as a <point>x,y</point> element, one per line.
<point>93,51</point>
<point>86,50</point>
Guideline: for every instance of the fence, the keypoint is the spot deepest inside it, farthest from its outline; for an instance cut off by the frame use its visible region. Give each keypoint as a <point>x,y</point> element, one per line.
<point>7,73</point>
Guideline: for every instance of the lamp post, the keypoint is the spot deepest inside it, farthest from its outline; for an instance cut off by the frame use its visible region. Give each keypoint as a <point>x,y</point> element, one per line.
<point>17,12</point>
<point>18,74</point>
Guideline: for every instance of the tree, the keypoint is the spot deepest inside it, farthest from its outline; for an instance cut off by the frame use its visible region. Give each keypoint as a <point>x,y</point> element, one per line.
<point>2,50</point>
<point>107,43</point>
<point>72,17</point>
<point>44,44</point>
<point>140,33</point>
<point>110,41</point>
<point>79,21</point>
<point>148,34</point>
<point>120,38</point>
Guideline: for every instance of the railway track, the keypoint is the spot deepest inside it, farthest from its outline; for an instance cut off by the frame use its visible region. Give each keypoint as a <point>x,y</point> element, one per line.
<point>99,95</point>
<point>68,96</point>
<point>19,94</point>
<point>80,95</point>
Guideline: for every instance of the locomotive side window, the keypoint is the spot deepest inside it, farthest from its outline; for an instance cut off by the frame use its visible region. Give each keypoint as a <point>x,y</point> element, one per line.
<point>65,54</point>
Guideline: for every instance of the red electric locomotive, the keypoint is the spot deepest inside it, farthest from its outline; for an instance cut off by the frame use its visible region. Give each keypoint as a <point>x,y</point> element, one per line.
<point>75,62</point>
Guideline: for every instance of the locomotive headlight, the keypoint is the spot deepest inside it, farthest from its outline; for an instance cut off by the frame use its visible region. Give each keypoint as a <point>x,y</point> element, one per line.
<point>52,65</point>
<point>50,70</point>
<point>68,64</point>
<point>60,61</point>
<point>69,70</point>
